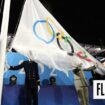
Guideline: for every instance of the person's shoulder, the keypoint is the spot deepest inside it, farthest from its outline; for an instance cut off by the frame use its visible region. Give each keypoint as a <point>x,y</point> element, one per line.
<point>34,62</point>
<point>25,62</point>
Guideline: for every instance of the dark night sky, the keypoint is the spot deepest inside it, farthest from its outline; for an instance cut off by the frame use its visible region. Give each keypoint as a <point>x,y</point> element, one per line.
<point>85,22</point>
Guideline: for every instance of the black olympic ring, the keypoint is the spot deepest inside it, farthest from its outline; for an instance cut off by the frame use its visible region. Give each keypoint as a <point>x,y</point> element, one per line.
<point>64,38</point>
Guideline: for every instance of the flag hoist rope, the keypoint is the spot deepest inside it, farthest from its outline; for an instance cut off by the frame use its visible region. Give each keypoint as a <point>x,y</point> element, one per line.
<point>3,41</point>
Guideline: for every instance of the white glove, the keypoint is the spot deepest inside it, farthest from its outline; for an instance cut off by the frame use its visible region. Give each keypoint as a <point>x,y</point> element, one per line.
<point>38,88</point>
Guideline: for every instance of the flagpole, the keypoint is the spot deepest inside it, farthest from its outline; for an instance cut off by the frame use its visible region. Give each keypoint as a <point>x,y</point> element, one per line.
<point>3,43</point>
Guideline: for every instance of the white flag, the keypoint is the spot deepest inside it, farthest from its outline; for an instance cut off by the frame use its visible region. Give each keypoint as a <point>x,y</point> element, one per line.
<point>41,38</point>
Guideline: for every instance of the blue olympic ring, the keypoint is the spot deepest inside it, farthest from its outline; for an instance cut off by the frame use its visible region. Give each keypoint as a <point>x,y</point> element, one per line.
<point>38,36</point>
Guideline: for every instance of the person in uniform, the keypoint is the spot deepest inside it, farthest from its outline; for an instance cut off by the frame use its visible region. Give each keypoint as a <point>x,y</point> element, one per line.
<point>81,84</point>
<point>32,81</point>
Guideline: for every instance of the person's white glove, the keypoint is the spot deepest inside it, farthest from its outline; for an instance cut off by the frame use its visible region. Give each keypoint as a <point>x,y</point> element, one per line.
<point>38,88</point>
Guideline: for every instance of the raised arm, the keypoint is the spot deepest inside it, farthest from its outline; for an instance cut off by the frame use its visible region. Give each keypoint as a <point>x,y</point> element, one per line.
<point>16,67</point>
<point>90,68</point>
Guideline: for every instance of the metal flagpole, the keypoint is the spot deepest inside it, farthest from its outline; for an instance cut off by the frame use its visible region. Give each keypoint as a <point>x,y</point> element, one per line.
<point>3,36</point>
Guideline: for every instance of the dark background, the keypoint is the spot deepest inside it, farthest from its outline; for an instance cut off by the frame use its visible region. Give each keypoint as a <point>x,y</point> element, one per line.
<point>84,21</point>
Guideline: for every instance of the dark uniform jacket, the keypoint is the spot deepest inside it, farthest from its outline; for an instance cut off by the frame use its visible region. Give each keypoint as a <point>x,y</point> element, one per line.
<point>31,71</point>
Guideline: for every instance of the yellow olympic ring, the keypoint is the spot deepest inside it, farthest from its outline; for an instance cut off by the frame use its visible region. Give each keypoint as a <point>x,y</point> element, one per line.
<point>49,29</point>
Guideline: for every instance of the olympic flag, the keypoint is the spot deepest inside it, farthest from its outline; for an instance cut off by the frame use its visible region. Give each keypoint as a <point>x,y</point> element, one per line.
<point>41,38</point>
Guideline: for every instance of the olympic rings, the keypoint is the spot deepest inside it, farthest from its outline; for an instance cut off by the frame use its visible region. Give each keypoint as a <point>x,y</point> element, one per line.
<point>59,36</point>
<point>39,36</point>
